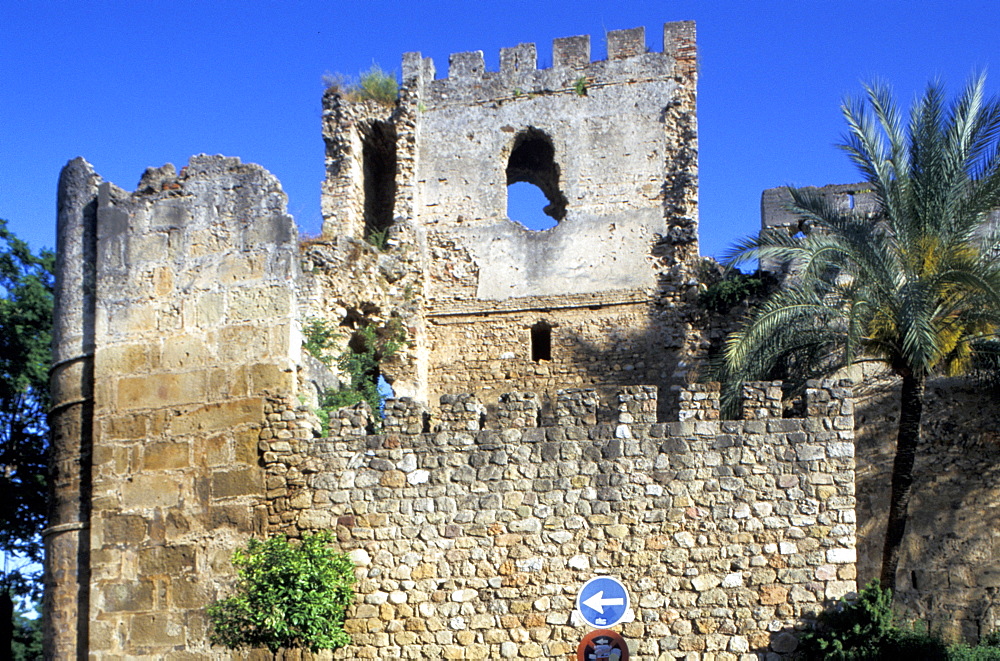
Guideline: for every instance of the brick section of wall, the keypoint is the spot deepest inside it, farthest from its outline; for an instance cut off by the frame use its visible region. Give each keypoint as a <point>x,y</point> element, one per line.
<point>949,571</point>
<point>460,413</point>
<point>761,400</point>
<point>404,416</point>
<point>637,404</point>
<point>576,407</point>
<point>517,410</point>
<point>350,421</point>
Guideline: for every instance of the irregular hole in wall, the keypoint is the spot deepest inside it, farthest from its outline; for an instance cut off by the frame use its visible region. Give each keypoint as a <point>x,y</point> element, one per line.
<point>355,317</point>
<point>385,391</point>
<point>541,341</point>
<point>378,159</point>
<point>531,169</point>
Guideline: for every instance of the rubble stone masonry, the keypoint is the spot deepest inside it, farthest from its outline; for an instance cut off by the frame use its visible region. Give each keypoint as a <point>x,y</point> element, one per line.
<point>472,543</point>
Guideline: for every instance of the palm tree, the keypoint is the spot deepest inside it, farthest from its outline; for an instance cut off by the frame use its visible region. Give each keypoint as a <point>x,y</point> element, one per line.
<point>913,284</point>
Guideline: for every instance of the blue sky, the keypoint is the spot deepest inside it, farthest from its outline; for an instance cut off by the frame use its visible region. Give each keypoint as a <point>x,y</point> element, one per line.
<point>129,85</point>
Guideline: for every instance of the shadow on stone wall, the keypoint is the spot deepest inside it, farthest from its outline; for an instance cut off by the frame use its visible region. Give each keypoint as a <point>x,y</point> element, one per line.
<point>949,572</point>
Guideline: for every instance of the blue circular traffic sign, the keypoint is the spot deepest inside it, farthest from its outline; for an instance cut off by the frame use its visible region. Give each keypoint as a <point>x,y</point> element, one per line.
<point>602,602</point>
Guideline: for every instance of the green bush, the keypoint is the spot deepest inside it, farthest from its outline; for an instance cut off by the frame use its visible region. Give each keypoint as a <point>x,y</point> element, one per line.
<point>290,595</point>
<point>378,85</point>
<point>988,649</point>
<point>867,630</point>
<point>735,288</point>
<point>319,337</point>
<point>369,346</point>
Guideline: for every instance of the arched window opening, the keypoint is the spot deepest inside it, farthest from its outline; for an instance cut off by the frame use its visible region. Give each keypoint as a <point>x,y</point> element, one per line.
<point>532,161</point>
<point>378,161</point>
<point>541,342</point>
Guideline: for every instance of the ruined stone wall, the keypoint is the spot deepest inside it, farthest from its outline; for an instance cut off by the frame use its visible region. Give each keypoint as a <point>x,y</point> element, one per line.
<point>193,327</point>
<point>472,544</point>
<point>949,571</point>
<point>348,283</point>
<point>66,538</point>
<point>608,126</point>
<point>617,129</point>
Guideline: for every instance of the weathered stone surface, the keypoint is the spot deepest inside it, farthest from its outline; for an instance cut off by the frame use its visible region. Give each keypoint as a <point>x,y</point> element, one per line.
<point>189,329</point>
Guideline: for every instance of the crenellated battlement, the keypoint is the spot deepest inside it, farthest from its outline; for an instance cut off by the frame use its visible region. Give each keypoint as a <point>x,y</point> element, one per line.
<point>582,408</point>
<point>572,70</point>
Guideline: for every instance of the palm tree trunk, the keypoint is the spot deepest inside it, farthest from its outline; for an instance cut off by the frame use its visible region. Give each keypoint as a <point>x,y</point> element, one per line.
<point>911,406</point>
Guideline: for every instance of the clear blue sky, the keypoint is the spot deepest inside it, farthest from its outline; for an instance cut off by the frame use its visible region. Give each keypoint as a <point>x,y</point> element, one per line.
<point>134,84</point>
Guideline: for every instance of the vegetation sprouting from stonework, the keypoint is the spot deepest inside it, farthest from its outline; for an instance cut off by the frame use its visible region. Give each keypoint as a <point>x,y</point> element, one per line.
<point>378,238</point>
<point>319,337</point>
<point>375,84</point>
<point>360,361</point>
<point>733,289</point>
<point>291,595</point>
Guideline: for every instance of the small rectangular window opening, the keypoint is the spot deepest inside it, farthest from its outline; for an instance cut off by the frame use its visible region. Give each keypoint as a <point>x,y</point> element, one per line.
<point>541,342</point>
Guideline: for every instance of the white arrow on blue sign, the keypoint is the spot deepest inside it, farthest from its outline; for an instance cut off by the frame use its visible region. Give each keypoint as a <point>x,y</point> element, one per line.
<point>602,602</point>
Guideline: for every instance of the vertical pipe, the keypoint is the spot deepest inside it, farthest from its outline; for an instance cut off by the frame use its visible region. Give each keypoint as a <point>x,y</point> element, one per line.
<point>66,538</point>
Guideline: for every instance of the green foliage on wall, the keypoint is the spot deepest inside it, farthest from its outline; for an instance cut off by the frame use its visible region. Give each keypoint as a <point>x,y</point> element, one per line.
<point>732,290</point>
<point>867,629</point>
<point>369,346</point>
<point>319,337</point>
<point>291,595</point>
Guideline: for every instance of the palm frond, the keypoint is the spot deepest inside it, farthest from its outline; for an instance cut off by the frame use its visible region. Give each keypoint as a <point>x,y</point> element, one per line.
<point>916,283</point>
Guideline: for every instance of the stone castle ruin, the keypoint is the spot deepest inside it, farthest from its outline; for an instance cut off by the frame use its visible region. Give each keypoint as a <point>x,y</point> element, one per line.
<point>545,426</point>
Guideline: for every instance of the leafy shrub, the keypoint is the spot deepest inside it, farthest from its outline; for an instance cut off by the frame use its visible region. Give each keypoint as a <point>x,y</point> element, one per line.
<point>378,85</point>
<point>320,337</point>
<point>735,288</point>
<point>988,649</point>
<point>369,346</point>
<point>288,595</point>
<point>868,630</point>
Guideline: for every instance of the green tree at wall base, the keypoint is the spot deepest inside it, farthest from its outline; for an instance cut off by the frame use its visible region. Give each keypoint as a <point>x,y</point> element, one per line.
<point>289,594</point>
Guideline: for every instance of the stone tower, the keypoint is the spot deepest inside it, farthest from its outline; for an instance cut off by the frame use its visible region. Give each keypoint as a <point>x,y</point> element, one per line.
<point>596,300</point>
